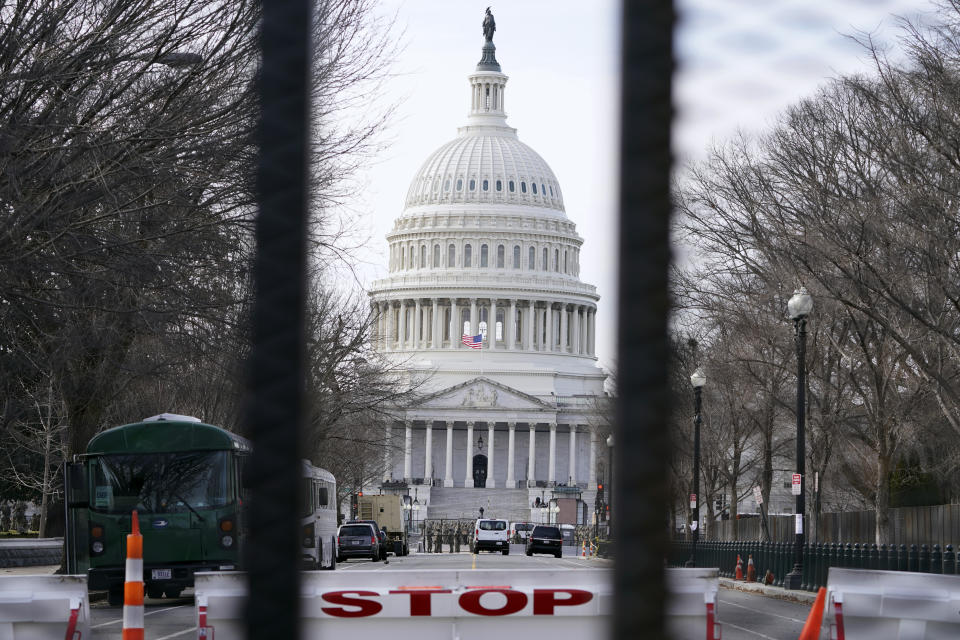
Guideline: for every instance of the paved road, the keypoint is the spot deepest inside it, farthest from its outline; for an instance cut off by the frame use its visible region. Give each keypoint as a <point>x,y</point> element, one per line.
<point>744,616</point>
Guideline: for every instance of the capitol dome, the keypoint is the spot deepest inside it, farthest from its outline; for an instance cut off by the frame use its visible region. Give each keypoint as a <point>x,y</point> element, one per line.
<point>486,164</point>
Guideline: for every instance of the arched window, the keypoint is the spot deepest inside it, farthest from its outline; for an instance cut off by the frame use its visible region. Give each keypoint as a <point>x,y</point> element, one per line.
<point>473,184</point>
<point>468,256</point>
<point>523,187</point>
<point>486,185</point>
<point>511,186</point>
<point>466,328</point>
<point>446,185</point>
<point>499,185</point>
<point>423,256</point>
<point>451,255</point>
<point>534,185</point>
<point>545,264</point>
<point>459,184</point>
<point>516,256</point>
<point>413,257</point>
<point>556,259</point>
<point>483,255</point>
<point>532,259</point>
<point>543,189</point>
<point>500,256</point>
<point>436,256</point>
<point>551,191</point>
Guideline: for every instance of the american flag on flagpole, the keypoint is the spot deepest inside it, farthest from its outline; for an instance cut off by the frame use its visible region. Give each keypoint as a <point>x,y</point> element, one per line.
<point>474,342</point>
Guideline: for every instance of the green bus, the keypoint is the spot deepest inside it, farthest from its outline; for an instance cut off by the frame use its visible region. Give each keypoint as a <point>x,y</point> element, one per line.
<point>182,477</point>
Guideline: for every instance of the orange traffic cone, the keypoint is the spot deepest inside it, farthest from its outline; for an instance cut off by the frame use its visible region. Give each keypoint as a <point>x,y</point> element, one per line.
<point>739,575</point>
<point>751,570</point>
<point>133,584</point>
<point>811,629</point>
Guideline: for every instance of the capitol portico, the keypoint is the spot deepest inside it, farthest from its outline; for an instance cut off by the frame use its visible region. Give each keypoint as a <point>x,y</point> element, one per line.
<point>484,247</point>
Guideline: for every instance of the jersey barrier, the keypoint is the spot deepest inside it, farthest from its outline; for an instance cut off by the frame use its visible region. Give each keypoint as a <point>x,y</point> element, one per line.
<point>44,608</point>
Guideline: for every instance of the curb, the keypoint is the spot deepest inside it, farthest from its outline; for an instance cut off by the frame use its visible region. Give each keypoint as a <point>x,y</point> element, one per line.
<point>804,597</point>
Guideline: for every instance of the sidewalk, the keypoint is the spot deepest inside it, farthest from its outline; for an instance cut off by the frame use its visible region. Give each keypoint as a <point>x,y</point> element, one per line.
<point>805,597</point>
<point>39,570</point>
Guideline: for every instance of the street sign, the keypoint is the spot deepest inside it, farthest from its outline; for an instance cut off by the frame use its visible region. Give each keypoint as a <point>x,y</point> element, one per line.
<point>758,495</point>
<point>795,486</point>
<point>693,501</point>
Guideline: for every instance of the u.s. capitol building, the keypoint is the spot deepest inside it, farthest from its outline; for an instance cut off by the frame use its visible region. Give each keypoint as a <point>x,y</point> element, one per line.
<point>484,246</point>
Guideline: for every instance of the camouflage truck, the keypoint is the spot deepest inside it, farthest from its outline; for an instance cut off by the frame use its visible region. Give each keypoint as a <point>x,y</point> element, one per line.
<point>387,510</point>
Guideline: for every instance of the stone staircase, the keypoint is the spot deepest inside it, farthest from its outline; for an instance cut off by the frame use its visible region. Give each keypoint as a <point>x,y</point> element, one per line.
<point>465,503</point>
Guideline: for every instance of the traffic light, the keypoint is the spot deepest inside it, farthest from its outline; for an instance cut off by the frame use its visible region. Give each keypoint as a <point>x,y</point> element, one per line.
<point>600,492</point>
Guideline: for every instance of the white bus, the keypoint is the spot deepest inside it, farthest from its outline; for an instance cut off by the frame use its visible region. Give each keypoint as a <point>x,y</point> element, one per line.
<point>318,518</point>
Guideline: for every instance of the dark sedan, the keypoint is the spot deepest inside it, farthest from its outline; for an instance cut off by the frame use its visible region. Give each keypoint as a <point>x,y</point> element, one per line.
<point>544,539</point>
<point>357,541</point>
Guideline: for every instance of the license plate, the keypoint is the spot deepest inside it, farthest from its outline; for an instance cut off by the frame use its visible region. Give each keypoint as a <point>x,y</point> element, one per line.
<point>161,574</point>
<point>358,542</point>
<point>498,542</point>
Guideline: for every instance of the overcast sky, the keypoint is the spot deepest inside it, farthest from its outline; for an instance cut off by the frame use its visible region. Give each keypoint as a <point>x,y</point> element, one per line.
<point>740,62</point>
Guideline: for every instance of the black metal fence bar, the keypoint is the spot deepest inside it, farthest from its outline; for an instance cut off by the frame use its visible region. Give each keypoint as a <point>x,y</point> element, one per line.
<point>777,558</point>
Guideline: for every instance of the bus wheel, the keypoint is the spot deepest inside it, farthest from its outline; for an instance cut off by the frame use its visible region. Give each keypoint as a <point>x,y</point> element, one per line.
<point>173,592</point>
<point>115,595</point>
<point>333,563</point>
<point>154,591</point>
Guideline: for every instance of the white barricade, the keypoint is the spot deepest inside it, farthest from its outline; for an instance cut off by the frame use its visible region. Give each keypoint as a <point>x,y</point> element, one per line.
<point>433,605</point>
<point>888,605</point>
<point>42,607</point>
<point>692,605</point>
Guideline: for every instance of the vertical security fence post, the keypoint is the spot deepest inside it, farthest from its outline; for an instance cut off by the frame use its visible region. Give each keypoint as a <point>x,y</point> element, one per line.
<point>913,559</point>
<point>874,555</point>
<point>857,564</point>
<point>936,560</point>
<point>902,558</point>
<point>949,561</point>
<point>924,559</point>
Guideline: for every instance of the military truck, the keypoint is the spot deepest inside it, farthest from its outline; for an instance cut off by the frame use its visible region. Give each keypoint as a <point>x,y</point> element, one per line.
<point>387,510</point>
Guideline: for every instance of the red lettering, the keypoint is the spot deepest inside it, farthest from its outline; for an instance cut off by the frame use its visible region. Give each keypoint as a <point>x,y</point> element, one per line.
<point>544,600</point>
<point>420,600</point>
<point>366,607</point>
<point>470,601</point>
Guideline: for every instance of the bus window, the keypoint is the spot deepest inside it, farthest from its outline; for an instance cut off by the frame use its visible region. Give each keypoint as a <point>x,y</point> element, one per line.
<point>322,497</point>
<point>160,482</point>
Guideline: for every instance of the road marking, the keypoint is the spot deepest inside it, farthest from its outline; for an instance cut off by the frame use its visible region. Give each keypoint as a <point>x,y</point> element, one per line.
<point>178,633</point>
<point>149,613</point>
<point>730,624</point>
<point>766,613</point>
<point>474,561</point>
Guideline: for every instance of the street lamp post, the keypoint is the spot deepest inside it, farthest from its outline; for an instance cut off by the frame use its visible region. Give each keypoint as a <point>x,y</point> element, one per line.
<point>799,307</point>
<point>610,486</point>
<point>697,380</point>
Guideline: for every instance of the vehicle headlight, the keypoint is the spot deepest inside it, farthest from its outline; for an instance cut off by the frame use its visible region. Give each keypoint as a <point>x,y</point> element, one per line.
<point>97,547</point>
<point>227,541</point>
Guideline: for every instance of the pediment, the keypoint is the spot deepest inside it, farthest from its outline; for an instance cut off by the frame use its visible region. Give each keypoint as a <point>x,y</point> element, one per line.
<point>482,393</point>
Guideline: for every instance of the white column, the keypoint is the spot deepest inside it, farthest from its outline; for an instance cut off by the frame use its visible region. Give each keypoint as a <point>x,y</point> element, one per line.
<point>408,450</point>
<point>552,467</point>
<point>531,456</point>
<point>512,325</point>
<point>548,320</point>
<point>511,482</point>
<point>593,461</point>
<point>448,469</point>
<point>576,330</point>
<point>572,457</point>
<point>401,336</point>
<point>387,461</point>
<point>563,328</point>
<point>389,344</point>
<point>436,334</point>
<point>492,324</point>
<point>455,328</point>
<point>491,483</point>
<point>417,323</point>
<point>474,324</point>
<point>428,460</point>
<point>530,324</point>
<point>468,478</point>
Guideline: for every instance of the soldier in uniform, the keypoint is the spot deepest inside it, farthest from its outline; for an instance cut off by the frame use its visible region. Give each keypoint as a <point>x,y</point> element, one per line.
<point>456,537</point>
<point>451,534</point>
<point>427,532</point>
<point>438,542</point>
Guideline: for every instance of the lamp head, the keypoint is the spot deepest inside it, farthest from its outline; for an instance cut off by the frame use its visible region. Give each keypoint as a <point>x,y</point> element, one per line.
<point>698,379</point>
<point>800,305</point>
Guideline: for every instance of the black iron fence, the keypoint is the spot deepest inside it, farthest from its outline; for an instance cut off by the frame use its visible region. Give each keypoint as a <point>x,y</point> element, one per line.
<point>777,558</point>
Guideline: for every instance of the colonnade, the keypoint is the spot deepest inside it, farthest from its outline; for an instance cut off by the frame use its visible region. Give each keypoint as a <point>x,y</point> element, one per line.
<point>527,325</point>
<point>510,481</point>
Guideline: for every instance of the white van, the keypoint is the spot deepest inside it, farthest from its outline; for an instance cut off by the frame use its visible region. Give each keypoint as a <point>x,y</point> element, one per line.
<point>491,535</point>
<point>521,530</point>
